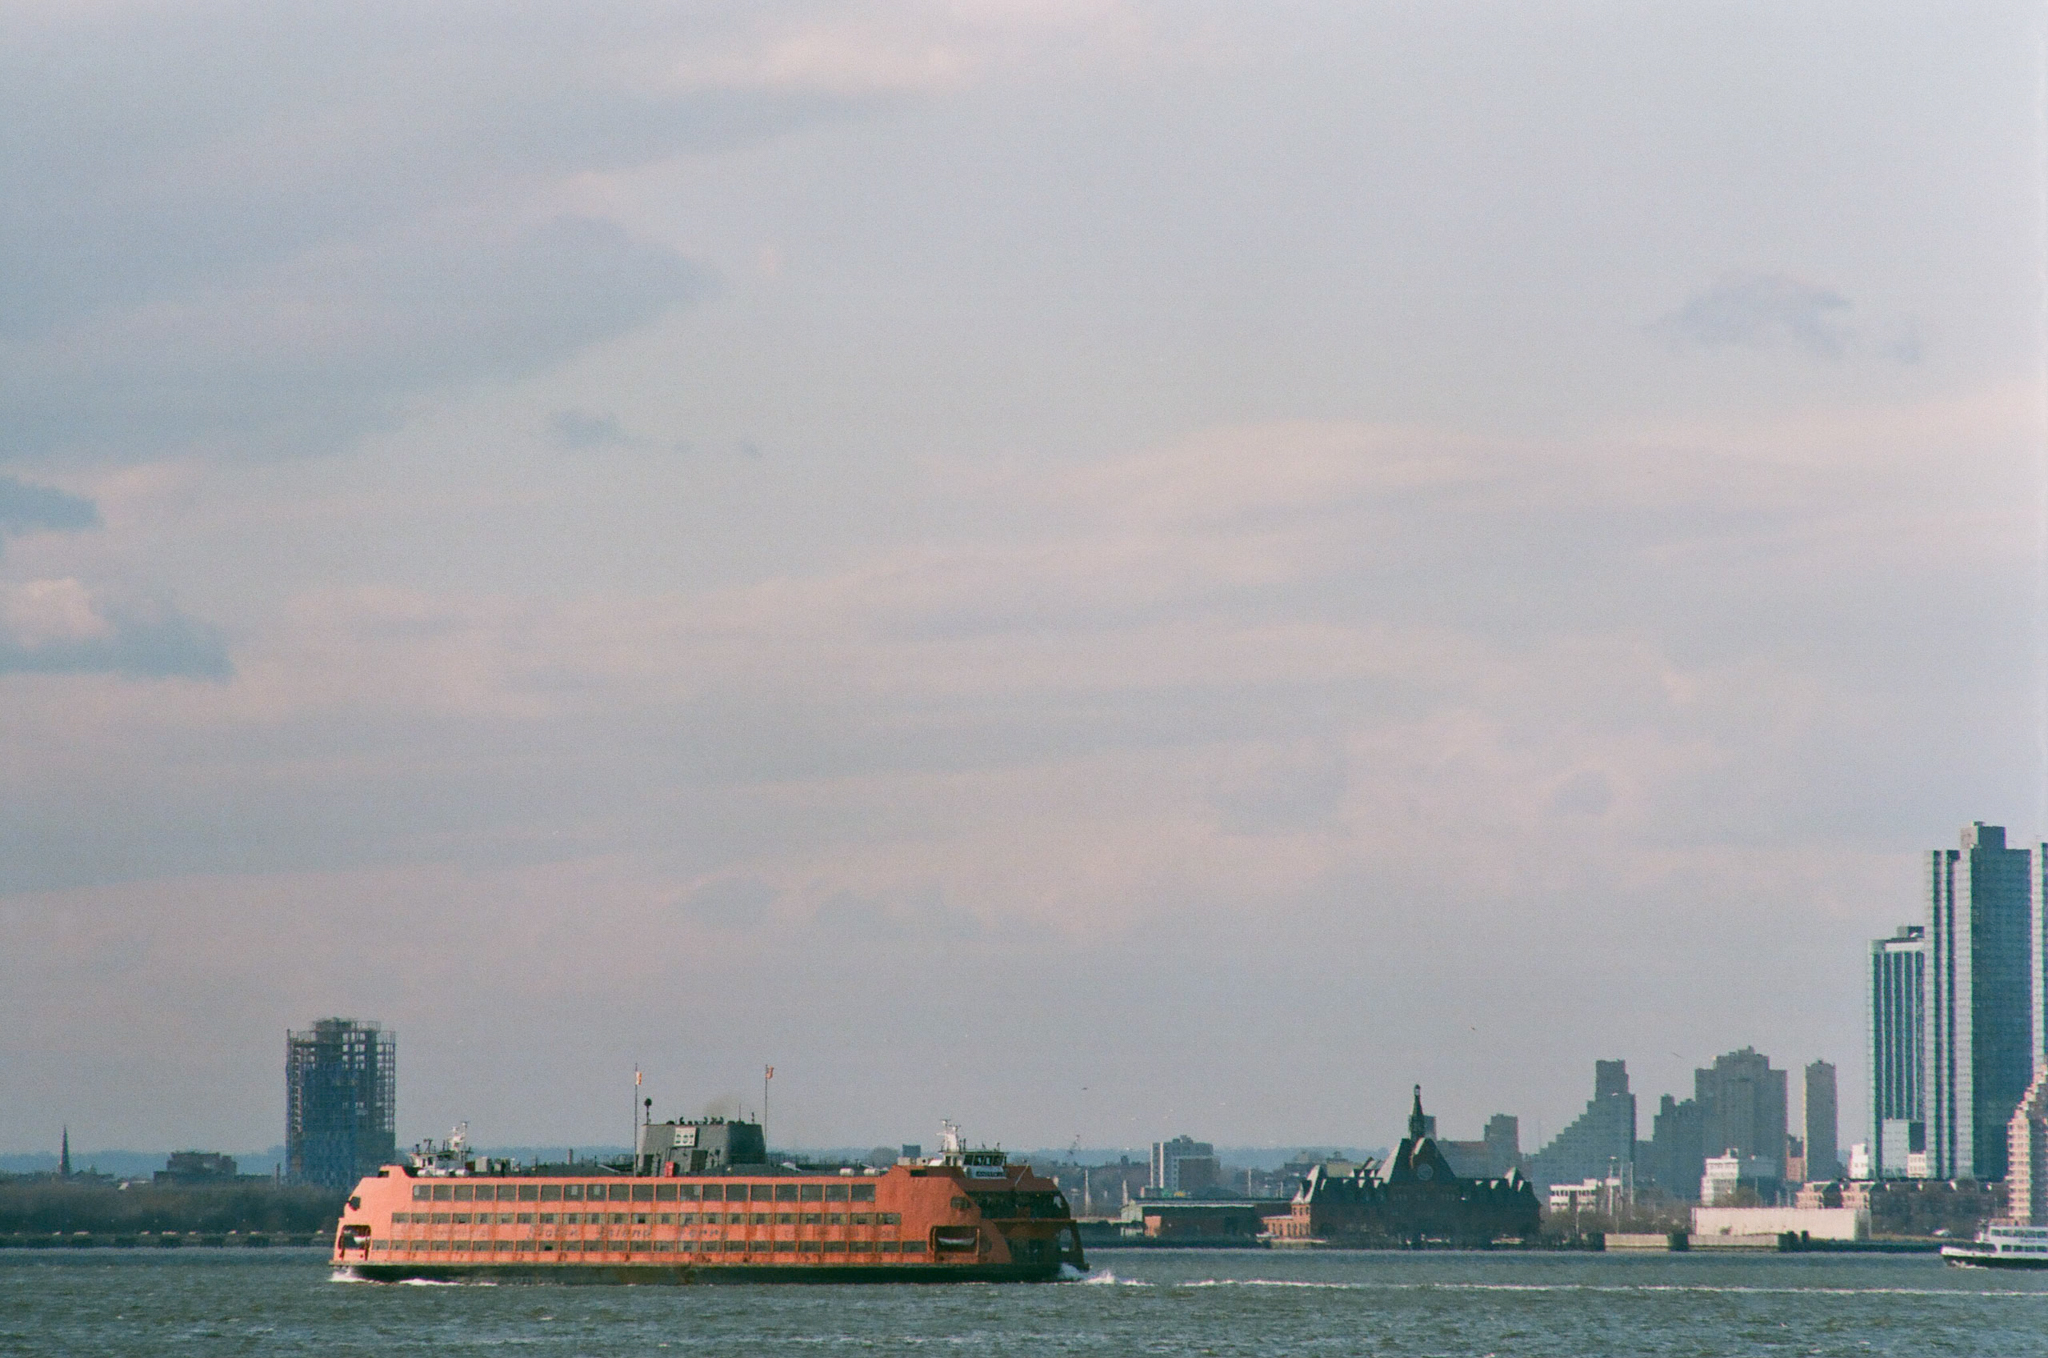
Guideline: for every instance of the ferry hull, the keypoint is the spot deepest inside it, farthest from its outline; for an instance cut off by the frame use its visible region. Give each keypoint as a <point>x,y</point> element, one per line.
<point>1963,1258</point>
<point>693,1274</point>
<point>981,1220</point>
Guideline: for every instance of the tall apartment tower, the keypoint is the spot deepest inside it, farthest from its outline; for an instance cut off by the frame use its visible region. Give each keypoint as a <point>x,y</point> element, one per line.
<point>1742,1107</point>
<point>341,1094</point>
<point>1822,1159</point>
<point>1600,1142</point>
<point>1982,1026</point>
<point>1897,1018</point>
<point>1184,1165</point>
<point>2026,1151</point>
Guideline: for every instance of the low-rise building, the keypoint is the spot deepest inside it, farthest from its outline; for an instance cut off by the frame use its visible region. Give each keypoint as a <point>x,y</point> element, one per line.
<point>1728,1175</point>
<point>1818,1223</point>
<point>1195,1219</point>
<point>197,1167</point>
<point>1592,1195</point>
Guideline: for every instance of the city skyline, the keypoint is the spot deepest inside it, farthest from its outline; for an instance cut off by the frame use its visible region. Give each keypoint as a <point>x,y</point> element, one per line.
<point>1048,565</point>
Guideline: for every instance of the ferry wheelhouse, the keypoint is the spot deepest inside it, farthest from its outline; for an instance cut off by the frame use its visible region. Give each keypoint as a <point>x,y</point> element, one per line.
<point>696,1205</point>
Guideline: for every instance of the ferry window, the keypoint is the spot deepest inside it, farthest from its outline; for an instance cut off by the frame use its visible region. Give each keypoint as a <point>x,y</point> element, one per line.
<point>835,1247</point>
<point>463,1193</point>
<point>863,1246</point>
<point>643,1192</point>
<point>785,1192</point>
<point>462,1217</point>
<point>785,1218</point>
<point>813,1192</point>
<point>863,1192</point>
<point>835,1192</point>
<point>665,1192</point>
<point>836,1219</point>
<point>691,1192</point>
<point>913,1247</point>
<point>763,1192</point>
<point>887,1247</point>
<point>442,1192</point>
<point>618,1218</point>
<point>573,1192</point>
<point>550,1192</point>
<point>812,1218</point>
<point>547,1218</point>
<point>525,1219</point>
<point>620,1192</point>
<point>421,1192</point>
<point>440,1219</point>
<point>663,1218</point>
<point>890,1218</point>
<point>785,1247</point>
<point>863,1218</point>
<point>760,1218</point>
<point>528,1192</point>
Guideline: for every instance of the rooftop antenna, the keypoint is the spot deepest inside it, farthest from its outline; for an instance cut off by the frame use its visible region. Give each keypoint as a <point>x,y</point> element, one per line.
<point>633,1120</point>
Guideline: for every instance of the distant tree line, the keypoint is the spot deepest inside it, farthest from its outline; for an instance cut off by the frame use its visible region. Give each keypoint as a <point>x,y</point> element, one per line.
<point>43,1206</point>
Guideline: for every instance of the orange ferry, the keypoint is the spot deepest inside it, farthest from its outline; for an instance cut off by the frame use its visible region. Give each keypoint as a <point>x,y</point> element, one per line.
<point>697,1206</point>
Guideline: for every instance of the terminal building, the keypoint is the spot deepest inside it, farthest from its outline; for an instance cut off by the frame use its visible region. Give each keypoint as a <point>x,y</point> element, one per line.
<point>1416,1196</point>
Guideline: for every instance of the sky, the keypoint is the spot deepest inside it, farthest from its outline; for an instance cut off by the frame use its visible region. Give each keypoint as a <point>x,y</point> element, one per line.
<point>1097,569</point>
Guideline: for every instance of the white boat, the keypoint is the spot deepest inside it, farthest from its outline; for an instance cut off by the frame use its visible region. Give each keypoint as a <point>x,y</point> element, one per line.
<point>2002,1247</point>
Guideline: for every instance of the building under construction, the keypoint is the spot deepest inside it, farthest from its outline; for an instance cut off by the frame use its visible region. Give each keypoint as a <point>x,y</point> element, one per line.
<point>341,1098</point>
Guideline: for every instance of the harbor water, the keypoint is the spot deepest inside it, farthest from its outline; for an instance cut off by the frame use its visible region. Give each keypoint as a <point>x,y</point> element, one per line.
<point>224,1302</point>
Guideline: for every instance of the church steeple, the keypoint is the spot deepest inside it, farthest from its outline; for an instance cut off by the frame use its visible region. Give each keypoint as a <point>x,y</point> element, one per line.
<point>64,1159</point>
<point>1416,1122</point>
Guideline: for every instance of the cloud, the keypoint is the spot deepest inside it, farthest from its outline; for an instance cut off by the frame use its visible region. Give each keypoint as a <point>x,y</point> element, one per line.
<point>59,626</point>
<point>1760,311</point>
<point>307,355</point>
<point>579,429</point>
<point>25,506</point>
<point>738,904</point>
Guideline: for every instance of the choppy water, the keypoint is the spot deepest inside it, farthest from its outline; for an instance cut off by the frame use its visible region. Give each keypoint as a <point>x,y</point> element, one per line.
<point>218,1302</point>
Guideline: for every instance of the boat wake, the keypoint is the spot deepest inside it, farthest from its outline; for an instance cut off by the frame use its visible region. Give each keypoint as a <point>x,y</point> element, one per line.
<point>443,1282</point>
<point>1100,1278</point>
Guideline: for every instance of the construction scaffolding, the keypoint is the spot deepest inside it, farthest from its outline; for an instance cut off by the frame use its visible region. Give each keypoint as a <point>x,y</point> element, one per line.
<point>341,1098</point>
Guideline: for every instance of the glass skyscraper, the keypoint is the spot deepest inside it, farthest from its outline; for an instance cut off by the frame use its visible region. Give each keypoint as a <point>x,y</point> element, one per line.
<point>1897,1015</point>
<point>1981,1025</point>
